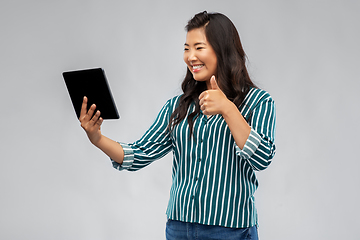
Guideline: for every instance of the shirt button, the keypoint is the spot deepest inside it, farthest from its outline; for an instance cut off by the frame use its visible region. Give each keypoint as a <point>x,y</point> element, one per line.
<point>199,159</point>
<point>196,178</point>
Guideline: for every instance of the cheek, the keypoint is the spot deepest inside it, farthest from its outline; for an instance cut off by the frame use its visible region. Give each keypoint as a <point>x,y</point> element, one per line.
<point>214,62</point>
<point>215,66</point>
<point>185,58</point>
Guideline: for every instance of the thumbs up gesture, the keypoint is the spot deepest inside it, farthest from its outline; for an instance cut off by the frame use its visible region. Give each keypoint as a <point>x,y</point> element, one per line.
<point>213,101</point>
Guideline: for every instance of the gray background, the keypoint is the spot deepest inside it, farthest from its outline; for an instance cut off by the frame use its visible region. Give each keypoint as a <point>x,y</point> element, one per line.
<point>55,185</point>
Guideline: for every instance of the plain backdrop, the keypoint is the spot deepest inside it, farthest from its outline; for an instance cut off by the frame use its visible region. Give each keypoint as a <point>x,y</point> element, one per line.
<point>55,185</point>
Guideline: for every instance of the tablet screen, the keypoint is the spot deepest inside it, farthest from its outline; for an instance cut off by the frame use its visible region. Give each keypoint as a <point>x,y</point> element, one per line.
<point>93,84</point>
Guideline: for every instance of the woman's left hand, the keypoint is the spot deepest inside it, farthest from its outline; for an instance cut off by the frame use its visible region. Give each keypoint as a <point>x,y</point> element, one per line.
<point>213,101</point>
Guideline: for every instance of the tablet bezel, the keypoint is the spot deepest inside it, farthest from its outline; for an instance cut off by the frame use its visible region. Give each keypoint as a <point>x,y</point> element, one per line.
<point>93,84</point>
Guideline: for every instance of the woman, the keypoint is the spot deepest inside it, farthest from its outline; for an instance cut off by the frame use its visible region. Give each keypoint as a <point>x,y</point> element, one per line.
<point>220,130</point>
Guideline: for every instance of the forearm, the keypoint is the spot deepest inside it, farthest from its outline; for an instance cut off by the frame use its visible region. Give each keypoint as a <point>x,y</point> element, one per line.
<point>111,148</point>
<point>239,128</point>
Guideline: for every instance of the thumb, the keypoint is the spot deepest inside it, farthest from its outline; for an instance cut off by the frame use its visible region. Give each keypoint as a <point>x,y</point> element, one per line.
<point>214,85</point>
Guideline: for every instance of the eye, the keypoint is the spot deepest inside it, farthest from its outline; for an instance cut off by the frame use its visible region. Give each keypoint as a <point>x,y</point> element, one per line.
<point>186,49</point>
<point>199,48</point>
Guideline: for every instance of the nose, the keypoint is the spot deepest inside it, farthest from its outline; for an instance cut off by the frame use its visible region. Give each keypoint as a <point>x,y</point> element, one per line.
<point>191,56</point>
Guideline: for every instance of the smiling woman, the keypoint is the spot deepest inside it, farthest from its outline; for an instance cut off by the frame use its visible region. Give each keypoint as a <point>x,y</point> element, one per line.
<point>199,56</point>
<point>220,131</point>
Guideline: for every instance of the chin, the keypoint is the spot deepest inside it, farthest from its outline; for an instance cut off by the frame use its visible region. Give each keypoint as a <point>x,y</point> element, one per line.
<point>200,79</point>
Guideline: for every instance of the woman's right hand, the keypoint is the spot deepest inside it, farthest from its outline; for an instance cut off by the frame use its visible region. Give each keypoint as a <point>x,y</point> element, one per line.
<point>91,124</point>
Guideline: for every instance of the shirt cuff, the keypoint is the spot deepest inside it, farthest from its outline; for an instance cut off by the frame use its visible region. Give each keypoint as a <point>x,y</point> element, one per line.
<point>128,158</point>
<point>251,145</point>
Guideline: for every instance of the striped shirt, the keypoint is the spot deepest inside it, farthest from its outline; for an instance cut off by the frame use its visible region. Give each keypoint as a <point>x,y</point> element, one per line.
<point>213,180</point>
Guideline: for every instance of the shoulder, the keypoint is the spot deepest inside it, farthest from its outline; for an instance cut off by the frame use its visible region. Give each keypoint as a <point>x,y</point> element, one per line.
<point>255,98</point>
<point>173,102</point>
<point>255,101</point>
<point>257,94</point>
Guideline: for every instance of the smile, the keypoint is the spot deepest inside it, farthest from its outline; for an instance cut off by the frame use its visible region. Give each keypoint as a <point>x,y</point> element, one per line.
<point>197,68</point>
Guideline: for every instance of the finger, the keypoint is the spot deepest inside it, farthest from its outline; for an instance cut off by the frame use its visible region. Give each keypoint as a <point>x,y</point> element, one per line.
<point>202,101</point>
<point>205,112</point>
<point>96,117</point>
<point>90,113</point>
<point>214,84</point>
<point>100,121</point>
<point>203,94</point>
<point>83,108</point>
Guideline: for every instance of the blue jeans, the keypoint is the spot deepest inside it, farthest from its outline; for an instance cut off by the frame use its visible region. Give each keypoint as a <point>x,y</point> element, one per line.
<point>176,230</point>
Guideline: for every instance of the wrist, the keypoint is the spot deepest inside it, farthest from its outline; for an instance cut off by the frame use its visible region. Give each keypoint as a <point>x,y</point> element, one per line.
<point>228,109</point>
<point>96,140</point>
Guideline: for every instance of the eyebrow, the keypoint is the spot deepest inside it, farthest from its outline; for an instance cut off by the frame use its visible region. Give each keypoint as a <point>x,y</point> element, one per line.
<point>198,43</point>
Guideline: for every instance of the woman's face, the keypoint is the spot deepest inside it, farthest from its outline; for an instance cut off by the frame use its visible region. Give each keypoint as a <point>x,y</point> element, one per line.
<point>199,56</point>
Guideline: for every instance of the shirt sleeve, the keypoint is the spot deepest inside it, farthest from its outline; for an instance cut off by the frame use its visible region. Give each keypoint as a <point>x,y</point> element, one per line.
<point>259,148</point>
<point>128,158</point>
<point>154,144</point>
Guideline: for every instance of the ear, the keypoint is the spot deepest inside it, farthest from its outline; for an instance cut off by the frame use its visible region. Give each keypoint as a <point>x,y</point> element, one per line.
<point>214,85</point>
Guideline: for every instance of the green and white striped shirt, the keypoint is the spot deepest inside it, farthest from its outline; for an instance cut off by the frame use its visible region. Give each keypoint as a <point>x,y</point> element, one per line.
<point>213,180</point>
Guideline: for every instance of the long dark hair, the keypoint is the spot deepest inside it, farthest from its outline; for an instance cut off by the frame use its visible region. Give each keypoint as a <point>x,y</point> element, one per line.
<point>232,75</point>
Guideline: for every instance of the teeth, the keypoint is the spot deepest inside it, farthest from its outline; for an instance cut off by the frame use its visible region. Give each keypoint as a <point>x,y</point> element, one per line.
<point>197,67</point>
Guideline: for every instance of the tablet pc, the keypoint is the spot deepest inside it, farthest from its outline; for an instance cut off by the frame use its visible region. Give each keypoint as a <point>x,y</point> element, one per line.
<point>93,84</point>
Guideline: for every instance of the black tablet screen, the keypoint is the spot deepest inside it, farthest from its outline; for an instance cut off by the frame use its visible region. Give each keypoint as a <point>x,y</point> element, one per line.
<point>93,84</point>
